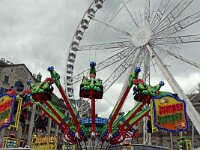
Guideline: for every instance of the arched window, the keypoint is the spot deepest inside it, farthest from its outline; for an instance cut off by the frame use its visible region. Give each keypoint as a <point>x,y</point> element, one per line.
<point>19,86</point>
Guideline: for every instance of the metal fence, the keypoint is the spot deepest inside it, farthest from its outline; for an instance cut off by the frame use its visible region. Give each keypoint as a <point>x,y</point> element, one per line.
<point>149,147</point>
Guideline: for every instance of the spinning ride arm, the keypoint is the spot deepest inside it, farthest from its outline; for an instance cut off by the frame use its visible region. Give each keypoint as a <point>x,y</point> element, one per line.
<point>135,112</point>
<point>120,120</point>
<point>122,133</point>
<point>43,107</point>
<point>52,116</point>
<point>41,95</point>
<point>56,78</point>
<point>131,111</point>
<point>137,118</point>
<point>117,125</point>
<point>118,106</point>
<point>143,93</point>
<point>67,127</point>
<point>93,89</point>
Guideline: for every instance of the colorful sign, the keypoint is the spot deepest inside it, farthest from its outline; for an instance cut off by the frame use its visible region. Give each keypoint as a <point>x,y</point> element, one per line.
<point>67,146</point>
<point>44,143</point>
<point>170,113</point>
<point>6,110</point>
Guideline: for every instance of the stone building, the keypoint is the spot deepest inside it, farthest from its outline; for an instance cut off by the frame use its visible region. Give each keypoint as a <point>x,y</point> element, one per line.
<point>16,75</point>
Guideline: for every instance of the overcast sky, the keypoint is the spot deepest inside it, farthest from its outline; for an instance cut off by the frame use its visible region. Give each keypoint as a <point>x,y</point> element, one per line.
<point>39,32</point>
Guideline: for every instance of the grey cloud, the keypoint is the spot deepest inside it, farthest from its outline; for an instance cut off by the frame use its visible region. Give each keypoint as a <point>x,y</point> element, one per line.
<point>39,32</point>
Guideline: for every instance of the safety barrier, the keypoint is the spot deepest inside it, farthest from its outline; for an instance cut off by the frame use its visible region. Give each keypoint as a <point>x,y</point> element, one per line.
<point>148,147</point>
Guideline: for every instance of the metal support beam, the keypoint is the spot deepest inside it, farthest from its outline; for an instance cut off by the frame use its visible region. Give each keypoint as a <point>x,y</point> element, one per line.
<point>30,131</point>
<point>184,59</point>
<point>192,113</point>
<point>130,69</point>
<point>105,46</point>
<point>144,130</point>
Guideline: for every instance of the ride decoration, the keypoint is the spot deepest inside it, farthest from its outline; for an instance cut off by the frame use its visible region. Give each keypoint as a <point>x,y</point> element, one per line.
<point>91,84</point>
<point>7,102</point>
<point>113,130</point>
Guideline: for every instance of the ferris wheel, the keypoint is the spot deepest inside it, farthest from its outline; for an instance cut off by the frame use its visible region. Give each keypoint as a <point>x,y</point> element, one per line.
<point>122,34</point>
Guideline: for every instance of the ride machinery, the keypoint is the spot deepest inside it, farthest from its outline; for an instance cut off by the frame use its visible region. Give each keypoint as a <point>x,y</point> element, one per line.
<point>76,129</point>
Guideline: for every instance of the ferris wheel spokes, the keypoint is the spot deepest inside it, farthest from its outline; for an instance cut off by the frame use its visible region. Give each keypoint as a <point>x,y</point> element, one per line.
<point>147,12</point>
<point>159,13</point>
<point>113,27</point>
<point>172,15</point>
<point>125,89</point>
<point>179,39</point>
<point>119,71</point>
<point>179,25</point>
<point>105,63</point>
<point>146,67</point>
<point>136,24</point>
<point>195,64</point>
<point>105,46</point>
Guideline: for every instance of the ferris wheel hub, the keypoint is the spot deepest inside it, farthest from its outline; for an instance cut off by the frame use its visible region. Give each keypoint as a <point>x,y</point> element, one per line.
<point>142,36</point>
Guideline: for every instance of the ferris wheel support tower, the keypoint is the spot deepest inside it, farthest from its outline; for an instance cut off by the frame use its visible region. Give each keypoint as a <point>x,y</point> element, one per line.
<point>192,112</point>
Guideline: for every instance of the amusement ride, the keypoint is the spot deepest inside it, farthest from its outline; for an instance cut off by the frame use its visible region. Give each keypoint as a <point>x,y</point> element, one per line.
<point>111,131</point>
<point>127,53</point>
<point>121,36</point>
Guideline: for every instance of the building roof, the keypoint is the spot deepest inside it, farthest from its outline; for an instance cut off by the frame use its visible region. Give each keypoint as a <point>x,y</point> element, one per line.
<point>5,65</point>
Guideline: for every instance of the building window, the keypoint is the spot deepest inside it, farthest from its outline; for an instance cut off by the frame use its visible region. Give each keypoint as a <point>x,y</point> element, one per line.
<point>27,128</point>
<point>53,124</point>
<point>23,129</point>
<point>19,86</point>
<point>59,137</point>
<point>6,79</point>
<point>52,133</point>
<point>21,143</point>
<point>29,115</point>
<point>2,90</point>
<point>37,107</point>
